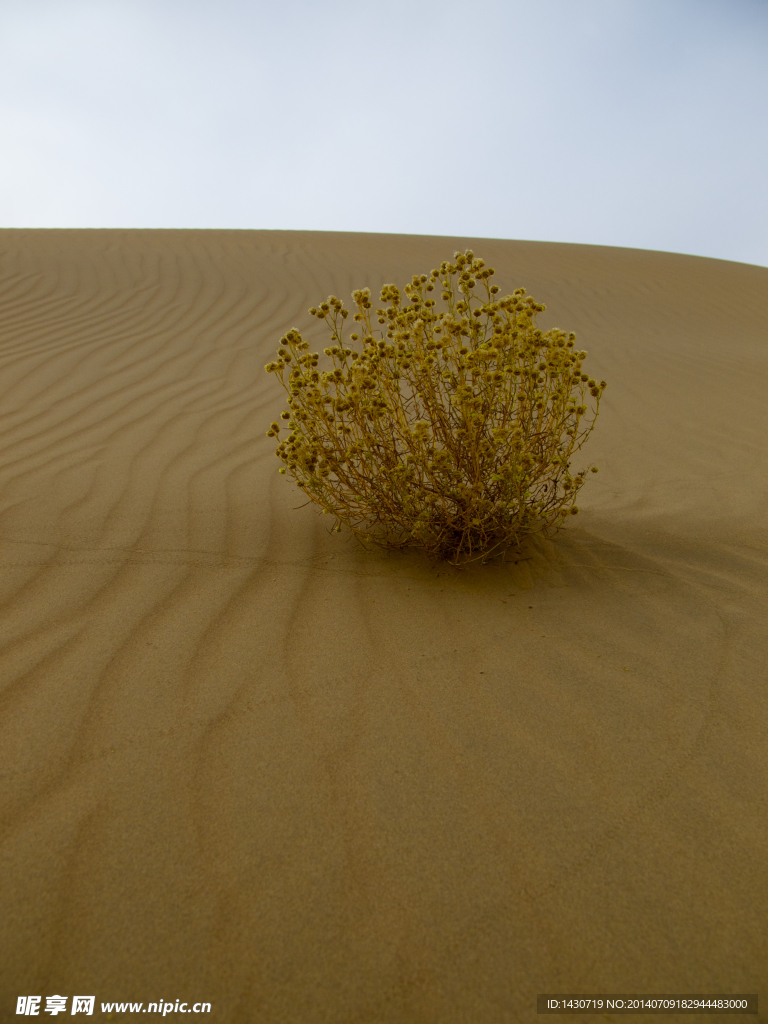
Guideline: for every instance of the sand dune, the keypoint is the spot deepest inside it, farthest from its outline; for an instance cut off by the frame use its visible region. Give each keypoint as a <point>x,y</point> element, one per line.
<point>246,762</point>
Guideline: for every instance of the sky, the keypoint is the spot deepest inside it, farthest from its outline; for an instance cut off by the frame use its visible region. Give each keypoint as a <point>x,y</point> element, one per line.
<point>636,123</point>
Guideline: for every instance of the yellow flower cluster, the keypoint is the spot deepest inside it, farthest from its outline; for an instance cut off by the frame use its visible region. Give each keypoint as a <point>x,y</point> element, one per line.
<point>451,430</point>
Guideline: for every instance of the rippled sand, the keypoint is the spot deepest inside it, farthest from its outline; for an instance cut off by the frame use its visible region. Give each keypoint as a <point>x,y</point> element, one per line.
<point>244,761</point>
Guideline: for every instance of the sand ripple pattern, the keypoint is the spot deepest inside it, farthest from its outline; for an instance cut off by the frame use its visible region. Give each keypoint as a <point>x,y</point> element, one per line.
<point>248,763</point>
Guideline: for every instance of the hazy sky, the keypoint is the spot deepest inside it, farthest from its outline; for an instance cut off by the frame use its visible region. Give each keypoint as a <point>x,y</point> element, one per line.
<point>637,123</point>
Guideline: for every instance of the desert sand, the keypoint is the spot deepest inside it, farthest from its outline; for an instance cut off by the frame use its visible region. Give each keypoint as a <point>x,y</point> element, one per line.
<point>246,762</point>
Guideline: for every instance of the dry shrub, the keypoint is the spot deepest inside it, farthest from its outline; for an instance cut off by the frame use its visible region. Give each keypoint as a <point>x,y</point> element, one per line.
<point>449,430</point>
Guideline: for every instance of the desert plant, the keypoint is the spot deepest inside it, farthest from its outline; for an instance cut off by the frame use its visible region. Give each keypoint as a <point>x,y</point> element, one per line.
<point>448,430</point>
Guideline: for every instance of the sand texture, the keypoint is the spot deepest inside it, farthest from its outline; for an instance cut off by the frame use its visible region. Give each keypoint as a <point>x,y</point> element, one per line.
<point>244,761</point>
